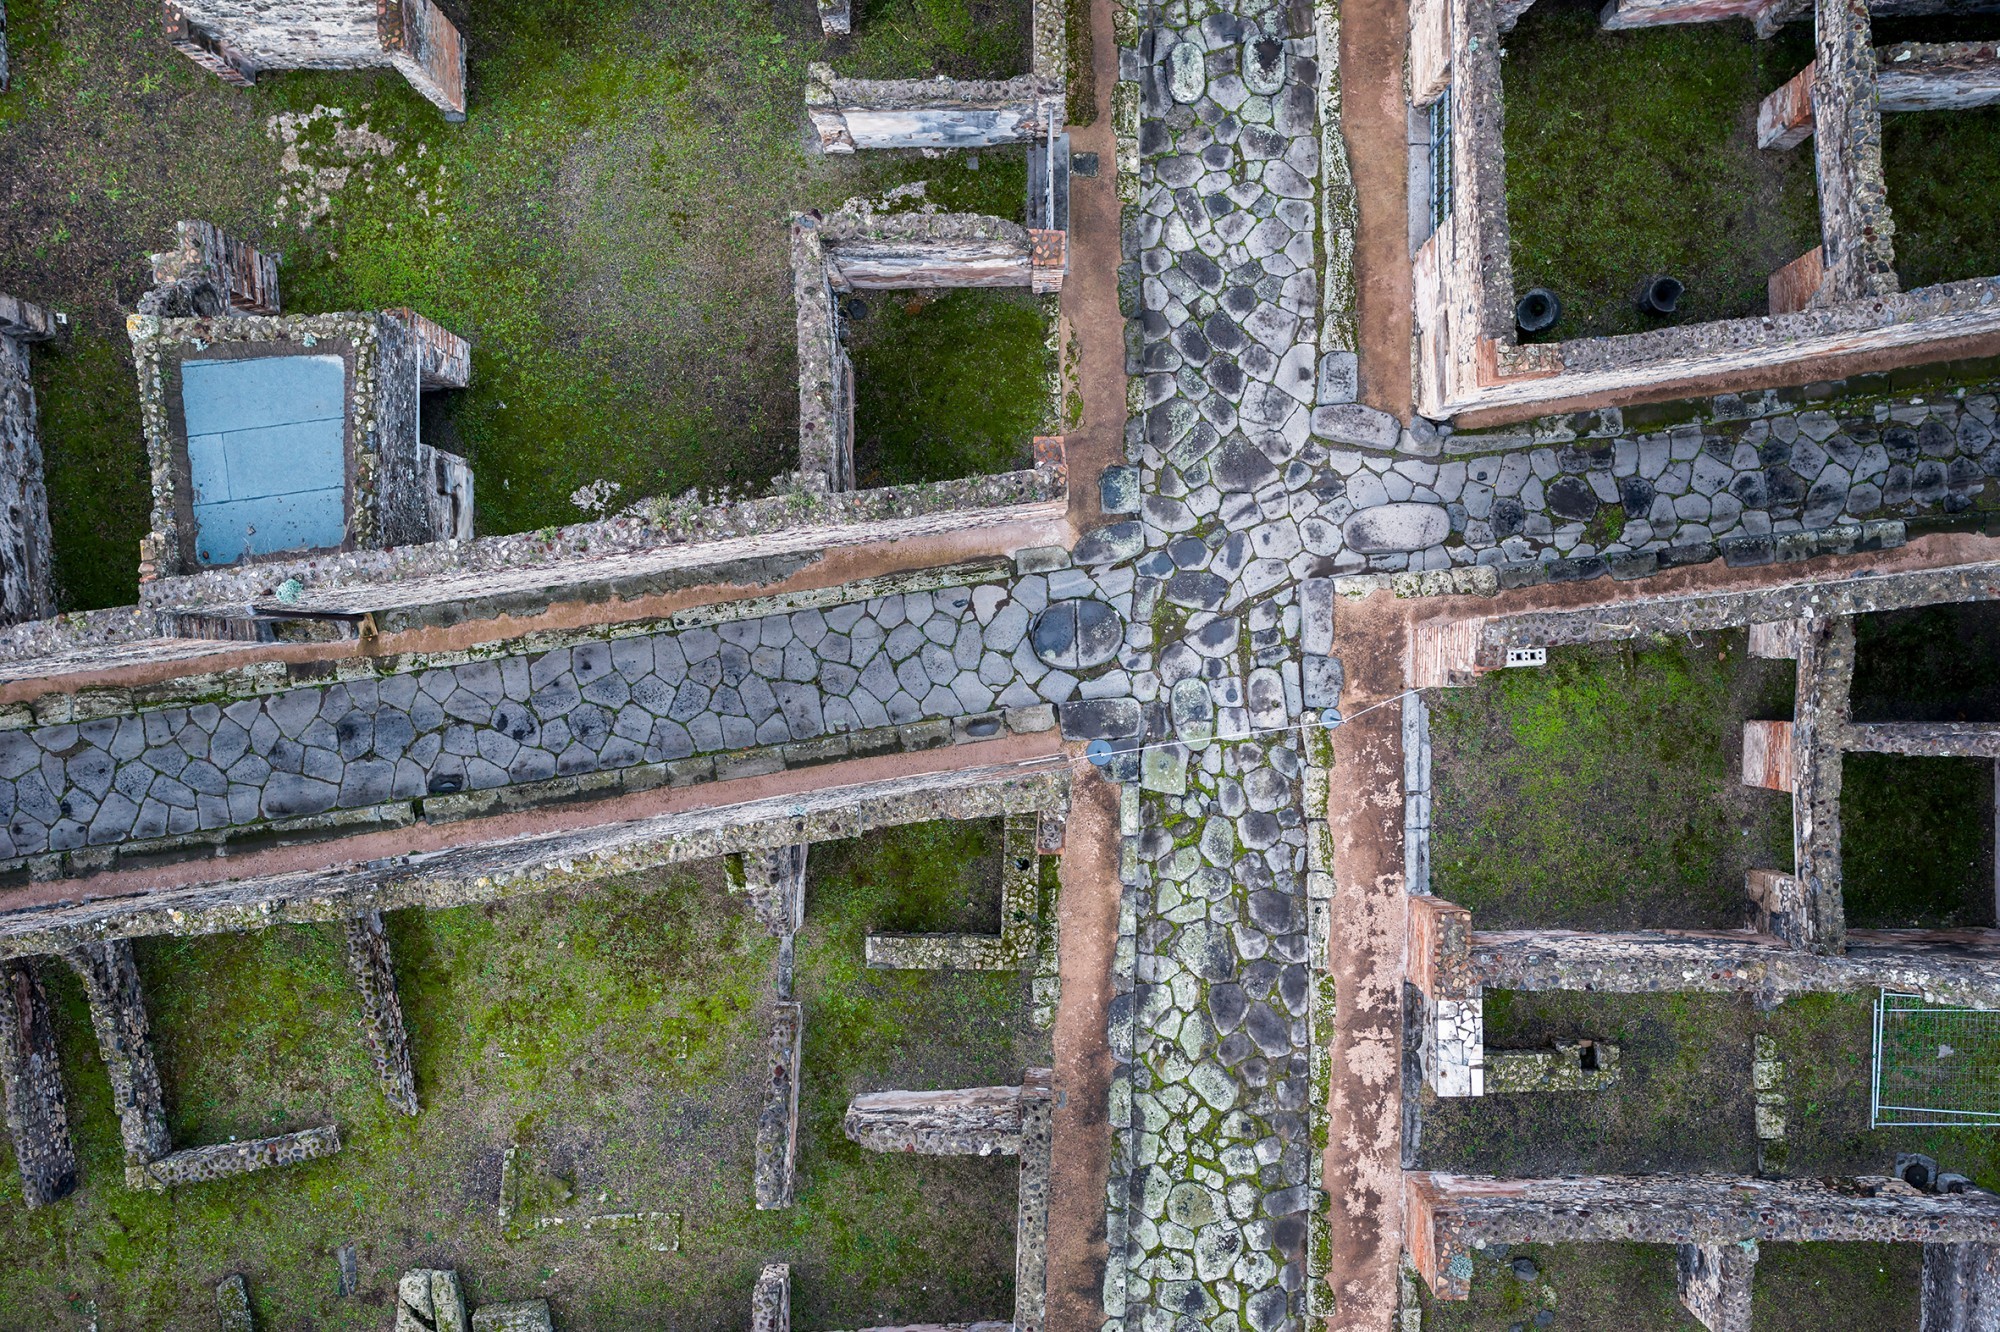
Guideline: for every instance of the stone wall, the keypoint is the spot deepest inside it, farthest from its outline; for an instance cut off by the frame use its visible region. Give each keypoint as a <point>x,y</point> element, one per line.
<point>1714,1283</point>
<point>1945,966</point>
<point>232,1306</point>
<point>852,114</point>
<point>778,1119</point>
<point>771,1299</point>
<point>1937,76</point>
<point>25,544</point>
<point>31,1077</point>
<point>1856,231</point>
<point>826,373</point>
<point>237,39</point>
<point>1703,612</point>
<point>1450,1215</point>
<point>224,1160</point>
<point>965,1121</point>
<point>1570,1066</point>
<point>867,251</point>
<point>4,71</point>
<point>1961,1290</point>
<point>118,1014</point>
<point>374,972</point>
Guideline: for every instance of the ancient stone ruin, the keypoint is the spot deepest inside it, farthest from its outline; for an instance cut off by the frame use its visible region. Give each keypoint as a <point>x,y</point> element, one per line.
<point>694,905</point>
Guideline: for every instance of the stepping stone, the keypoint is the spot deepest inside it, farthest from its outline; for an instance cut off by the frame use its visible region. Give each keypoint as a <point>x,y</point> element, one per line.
<point>1076,635</point>
<point>1397,528</point>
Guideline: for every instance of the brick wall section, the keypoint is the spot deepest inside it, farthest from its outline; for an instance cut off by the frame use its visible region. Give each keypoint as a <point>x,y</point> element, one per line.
<point>426,49</point>
<point>1449,1215</point>
<point>224,1160</point>
<point>374,972</point>
<point>1785,118</point>
<point>1961,1290</point>
<point>1714,1284</point>
<point>1946,966</point>
<point>25,544</point>
<point>247,278</point>
<point>1856,233</point>
<point>778,1120</point>
<point>1440,956</point>
<point>118,1013</point>
<point>31,1076</point>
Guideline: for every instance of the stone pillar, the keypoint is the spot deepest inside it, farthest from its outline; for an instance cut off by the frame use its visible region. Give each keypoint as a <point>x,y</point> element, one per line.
<point>118,1013</point>
<point>778,1121</point>
<point>826,375</point>
<point>25,543</point>
<point>1961,1290</point>
<point>244,280</point>
<point>775,880</point>
<point>37,1118</point>
<point>1856,232</point>
<point>771,1300</point>
<point>382,1026</point>
<point>1715,1283</point>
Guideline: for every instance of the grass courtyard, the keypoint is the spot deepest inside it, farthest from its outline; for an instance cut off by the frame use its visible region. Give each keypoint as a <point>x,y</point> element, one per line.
<point>1603,791</point>
<point>616,1039</point>
<point>608,228</point>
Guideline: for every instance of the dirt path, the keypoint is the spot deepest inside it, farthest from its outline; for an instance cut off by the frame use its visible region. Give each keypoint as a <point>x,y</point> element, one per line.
<point>1364,1111</point>
<point>1082,1146</point>
<point>1375,124</point>
<point>1090,293</point>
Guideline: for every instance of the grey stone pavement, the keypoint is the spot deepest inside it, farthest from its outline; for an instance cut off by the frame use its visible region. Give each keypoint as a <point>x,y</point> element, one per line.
<point>590,708</point>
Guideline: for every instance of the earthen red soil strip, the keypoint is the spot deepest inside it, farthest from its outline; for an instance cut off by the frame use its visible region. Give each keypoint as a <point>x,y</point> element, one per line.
<point>1088,917</point>
<point>1375,125</point>
<point>424,837</point>
<point>1364,1111</point>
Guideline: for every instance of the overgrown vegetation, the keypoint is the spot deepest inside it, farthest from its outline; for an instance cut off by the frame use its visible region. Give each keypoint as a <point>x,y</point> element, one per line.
<point>1942,169</point>
<point>617,1040</point>
<point>922,413</point>
<point>609,228</point>
<point>1603,791</point>
<point>1633,153</point>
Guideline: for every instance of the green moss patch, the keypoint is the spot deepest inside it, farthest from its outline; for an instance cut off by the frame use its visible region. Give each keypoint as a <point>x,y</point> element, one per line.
<point>1634,153</point>
<point>1596,1287</point>
<point>609,228</point>
<point>1603,791</point>
<point>616,1041</point>
<point>915,39</point>
<point>948,384</point>
<point>1940,663</point>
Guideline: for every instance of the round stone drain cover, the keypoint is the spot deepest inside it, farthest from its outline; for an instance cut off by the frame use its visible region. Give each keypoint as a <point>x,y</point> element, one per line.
<point>1074,635</point>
